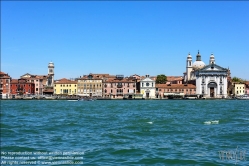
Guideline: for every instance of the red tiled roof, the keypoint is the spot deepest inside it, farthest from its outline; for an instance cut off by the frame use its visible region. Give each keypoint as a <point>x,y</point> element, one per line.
<point>174,78</point>
<point>14,81</point>
<point>65,81</point>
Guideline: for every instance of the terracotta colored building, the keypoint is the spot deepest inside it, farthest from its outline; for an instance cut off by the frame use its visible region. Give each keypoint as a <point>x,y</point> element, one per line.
<point>21,87</point>
<point>4,85</point>
<point>174,80</point>
<point>38,80</point>
<point>162,90</point>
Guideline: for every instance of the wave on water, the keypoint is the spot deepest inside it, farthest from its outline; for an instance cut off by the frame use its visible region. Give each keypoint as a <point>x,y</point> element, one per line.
<point>211,122</point>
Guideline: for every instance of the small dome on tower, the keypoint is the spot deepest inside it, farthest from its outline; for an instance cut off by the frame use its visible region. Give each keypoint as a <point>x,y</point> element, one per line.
<point>212,60</point>
<point>198,64</point>
<point>212,55</point>
<point>51,64</point>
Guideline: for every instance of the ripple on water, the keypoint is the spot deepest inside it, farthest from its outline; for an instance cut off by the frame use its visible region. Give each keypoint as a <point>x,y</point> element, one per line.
<point>169,132</point>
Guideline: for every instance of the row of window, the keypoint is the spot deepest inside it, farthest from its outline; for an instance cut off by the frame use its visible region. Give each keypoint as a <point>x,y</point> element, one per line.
<point>148,84</point>
<point>241,87</point>
<point>65,91</point>
<point>240,91</point>
<point>16,90</point>
<point>177,90</point>
<point>122,91</point>
<point>89,85</point>
<point>63,85</point>
<point>88,90</point>
<point>19,85</point>
<point>7,81</point>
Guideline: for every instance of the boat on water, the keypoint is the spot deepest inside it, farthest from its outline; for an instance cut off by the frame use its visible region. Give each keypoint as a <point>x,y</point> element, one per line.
<point>243,97</point>
<point>88,99</point>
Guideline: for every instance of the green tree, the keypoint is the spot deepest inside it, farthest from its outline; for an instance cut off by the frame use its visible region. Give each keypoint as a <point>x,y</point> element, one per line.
<point>161,79</point>
<point>239,80</point>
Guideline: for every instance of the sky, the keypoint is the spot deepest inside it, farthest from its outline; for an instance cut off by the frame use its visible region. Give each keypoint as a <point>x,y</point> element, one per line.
<point>122,37</point>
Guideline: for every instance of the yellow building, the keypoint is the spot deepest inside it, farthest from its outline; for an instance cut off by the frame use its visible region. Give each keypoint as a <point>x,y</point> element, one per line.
<point>90,85</point>
<point>239,89</point>
<point>65,87</point>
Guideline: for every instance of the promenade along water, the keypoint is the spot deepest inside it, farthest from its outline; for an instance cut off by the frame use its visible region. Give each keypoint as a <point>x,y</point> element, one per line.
<point>145,132</point>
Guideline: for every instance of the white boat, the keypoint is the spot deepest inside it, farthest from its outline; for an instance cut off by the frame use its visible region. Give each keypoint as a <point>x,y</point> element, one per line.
<point>243,97</point>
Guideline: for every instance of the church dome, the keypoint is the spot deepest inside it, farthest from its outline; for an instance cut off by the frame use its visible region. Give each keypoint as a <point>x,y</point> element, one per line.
<point>198,65</point>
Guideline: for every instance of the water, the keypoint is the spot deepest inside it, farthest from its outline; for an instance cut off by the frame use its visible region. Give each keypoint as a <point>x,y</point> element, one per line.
<point>147,132</point>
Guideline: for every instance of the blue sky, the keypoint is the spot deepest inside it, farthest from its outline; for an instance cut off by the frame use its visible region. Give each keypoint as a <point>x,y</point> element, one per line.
<point>122,37</point>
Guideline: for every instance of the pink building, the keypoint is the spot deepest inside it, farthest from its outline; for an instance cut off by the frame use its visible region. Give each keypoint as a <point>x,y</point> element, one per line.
<point>247,88</point>
<point>118,86</point>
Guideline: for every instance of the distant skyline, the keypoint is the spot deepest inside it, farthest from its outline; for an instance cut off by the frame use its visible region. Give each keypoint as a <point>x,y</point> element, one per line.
<point>122,37</point>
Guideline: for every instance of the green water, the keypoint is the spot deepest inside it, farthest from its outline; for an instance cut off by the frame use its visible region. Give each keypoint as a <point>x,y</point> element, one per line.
<point>147,132</point>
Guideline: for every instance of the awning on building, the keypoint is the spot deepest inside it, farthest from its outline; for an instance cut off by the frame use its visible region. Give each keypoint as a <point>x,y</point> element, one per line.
<point>173,94</point>
<point>83,94</point>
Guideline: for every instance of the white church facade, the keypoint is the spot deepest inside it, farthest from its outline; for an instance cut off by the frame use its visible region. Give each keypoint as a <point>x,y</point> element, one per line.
<point>148,88</point>
<point>210,80</point>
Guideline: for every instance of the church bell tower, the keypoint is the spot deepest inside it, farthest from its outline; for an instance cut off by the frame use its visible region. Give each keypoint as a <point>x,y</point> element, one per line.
<point>188,67</point>
<point>50,81</point>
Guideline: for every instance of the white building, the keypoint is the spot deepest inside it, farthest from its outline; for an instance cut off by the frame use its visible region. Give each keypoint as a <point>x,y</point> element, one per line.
<point>147,87</point>
<point>210,80</point>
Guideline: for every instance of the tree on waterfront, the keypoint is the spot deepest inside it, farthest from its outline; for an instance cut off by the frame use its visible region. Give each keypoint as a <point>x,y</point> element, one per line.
<point>161,79</point>
<point>239,80</point>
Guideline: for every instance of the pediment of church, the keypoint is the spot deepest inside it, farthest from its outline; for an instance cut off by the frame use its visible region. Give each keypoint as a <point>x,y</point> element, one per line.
<point>27,75</point>
<point>213,67</point>
<point>147,79</point>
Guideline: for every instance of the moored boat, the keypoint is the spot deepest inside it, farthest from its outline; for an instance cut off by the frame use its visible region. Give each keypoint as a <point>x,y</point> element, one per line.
<point>243,97</point>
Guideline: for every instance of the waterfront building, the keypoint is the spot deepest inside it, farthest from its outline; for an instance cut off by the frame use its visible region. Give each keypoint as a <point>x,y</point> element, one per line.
<point>38,80</point>
<point>147,87</point>
<point>165,90</point>
<point>21,87</point>
<point>65,87</point>
<point>119,86</point>
<point>247,88</point>
<point>90,85</point>
<point>210,80</point>
<point>4,85</point>
<point>239,89</point>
